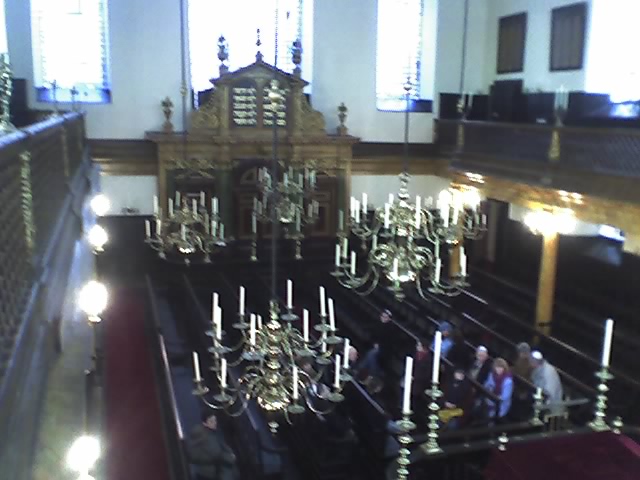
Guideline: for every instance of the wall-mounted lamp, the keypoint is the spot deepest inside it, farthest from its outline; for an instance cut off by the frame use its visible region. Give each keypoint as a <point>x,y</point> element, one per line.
<point>82,456</point>
<point>100,205</point>
<point>92,300</point>
<point>545,222</point>
<point>97,237</point>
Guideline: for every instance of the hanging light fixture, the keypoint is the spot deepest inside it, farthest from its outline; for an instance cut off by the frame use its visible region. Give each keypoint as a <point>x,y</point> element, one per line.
<point>270,354</point>
<point>402,242</point>
<point>284,190</point>
<point>187,233</point>
<point>191,230</point>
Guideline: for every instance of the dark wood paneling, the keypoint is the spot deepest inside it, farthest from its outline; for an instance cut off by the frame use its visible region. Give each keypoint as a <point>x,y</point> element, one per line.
<point>512,32</point>
<point>125,157</point>
<point>568,25</point>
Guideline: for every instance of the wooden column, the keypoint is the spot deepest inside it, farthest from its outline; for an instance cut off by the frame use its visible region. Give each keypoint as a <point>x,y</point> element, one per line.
<point>547,282</point>
<point>454,260</point>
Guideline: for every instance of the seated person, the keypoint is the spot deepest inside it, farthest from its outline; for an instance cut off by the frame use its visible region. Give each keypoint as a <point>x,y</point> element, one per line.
<point>377,358</point>
<point>447,342</point>
<point>207,450</point>
<point>522,367</point>
<point>456,399</point>
<point>500,383</point>
<point>546,377</point>
<point>481,367</point>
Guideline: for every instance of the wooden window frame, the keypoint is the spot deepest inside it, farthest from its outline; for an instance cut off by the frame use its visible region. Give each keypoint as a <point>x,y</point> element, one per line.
<point>505,21</point>
<point>558,15</point>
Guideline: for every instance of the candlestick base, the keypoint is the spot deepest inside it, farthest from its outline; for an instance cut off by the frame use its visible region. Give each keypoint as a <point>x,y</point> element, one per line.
<point>222,397</point>
<point>252,356</point>
<point>305,352</point>
<point>201,389</point>
<point>335,397</point>
<point>432,447</point>
<point>333,340</point>
<point>345,377</point>
<point>337,273</point>
<point>295,409</point>
<point>289,316</point>
<point>599,423</point>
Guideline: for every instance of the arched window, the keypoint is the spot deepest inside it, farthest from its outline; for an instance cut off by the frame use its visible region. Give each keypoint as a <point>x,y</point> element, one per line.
<point>70,50</point>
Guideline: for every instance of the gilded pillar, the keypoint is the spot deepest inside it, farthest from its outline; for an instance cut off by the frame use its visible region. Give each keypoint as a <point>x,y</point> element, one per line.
<point>454,260</point>
<point>547,282</point>
<point>224,192</point>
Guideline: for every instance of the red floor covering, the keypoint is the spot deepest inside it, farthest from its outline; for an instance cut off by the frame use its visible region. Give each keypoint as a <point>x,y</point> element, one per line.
<point>135,446</point>
<point>591,456</point>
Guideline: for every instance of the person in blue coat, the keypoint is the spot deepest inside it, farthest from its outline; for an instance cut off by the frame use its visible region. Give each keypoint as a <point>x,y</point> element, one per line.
<point>500,383</point>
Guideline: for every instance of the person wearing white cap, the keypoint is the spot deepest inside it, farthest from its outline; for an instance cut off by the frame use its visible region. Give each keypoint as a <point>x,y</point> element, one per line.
<point>545,376</point>
<point>481,367</point>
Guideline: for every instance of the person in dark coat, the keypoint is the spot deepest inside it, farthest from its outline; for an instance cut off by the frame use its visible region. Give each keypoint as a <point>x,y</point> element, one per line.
<point>458,354</point>
<point>481,367</point>
<point>457,395</point>
<point>208,452</point>
<point>377,359</point>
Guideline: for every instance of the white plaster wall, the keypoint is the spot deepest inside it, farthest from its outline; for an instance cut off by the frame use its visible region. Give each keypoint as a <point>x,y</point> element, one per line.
<point>127,191</point>
<point>536,73</point>
<point>344,59</point>
<point>378,187</point>
<point>145,64</point>
<point>145,67</point>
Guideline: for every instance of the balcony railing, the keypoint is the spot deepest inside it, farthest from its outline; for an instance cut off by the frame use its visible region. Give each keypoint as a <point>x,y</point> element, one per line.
<point>598,150</point>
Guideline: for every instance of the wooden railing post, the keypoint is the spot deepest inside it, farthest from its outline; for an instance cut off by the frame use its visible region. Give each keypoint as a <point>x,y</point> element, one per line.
<point>547,282</point>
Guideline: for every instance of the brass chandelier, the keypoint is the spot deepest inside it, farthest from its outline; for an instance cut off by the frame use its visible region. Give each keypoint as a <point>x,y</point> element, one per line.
<point>6,87</point>
<point>188,232</point>
<point>284,192</point>
<point>270,355</point>
<point>402,242</point>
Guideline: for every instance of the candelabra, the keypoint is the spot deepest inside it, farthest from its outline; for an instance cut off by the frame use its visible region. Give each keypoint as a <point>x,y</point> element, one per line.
<point>402,241</point>
<point>6,87</point>
<point>404,428</point>
<point>271,354</point>
<point>599,423</point>
<point>189,232</point>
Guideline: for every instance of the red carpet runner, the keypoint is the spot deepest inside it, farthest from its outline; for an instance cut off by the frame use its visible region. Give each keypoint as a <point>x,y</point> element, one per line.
<point>134,447</point>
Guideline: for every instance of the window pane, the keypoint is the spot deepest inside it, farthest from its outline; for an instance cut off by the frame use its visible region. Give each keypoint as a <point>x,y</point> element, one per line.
<point>70,48</point>
<point>399,48</point>
<point>238,21</point>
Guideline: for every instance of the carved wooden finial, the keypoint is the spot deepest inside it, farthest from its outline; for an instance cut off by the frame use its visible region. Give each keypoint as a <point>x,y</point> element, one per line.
<point>296,57</point>
<point>342,116</point>
<point>258,43</point>
<point>223,55</point>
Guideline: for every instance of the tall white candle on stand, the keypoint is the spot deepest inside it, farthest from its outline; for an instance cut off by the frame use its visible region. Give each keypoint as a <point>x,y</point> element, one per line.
<point>183,232</point>
<point>336,381</point>
<point>438,268</point>
<point>214,306</point>
<point>435,374</point>
<point>290,294</point>
<point>158,227</point>
<point>337,254</point>
<point>323,311</point>
<point>241,308</point>
<point>254,225</point>
<point>408,378</point>
<point>305,325</point>
<point>323,342</point>
<point>463,262</point>
<point>223,373</point>
<point>353,262</point>
<point>295,382</point>
<point>155,204</point>
<point>147,228</point>
<point>364,203</point>
<point>387,215</point>
<point>219,323</point>
<point>194,206</point>
<point>196,366</point>
<point>214,205</point>
<point>202,199</point>
<point>345,247</point>
<point>332,317</point>
<point>252,329</point>
<point>356,205</point>
<point>259,322</point>
<point>608,338</point>
<point>346,352</point>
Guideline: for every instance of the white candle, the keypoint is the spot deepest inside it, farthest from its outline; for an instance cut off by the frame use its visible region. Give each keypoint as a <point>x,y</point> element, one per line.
<point>374,242</point>
<point>437,272</point>
<point>346,352</point>
<point>286,179</point>
<point>356,205</point>
<point>202,199</point>
<point>395,268</point>
<point>336,381</point>
<point>298,218</point>
<point>352,207</point>
<point>252,329</point>
<point>337,254</point>
<point>323,311</point>
<point>214,224</point>
<point>345,247</point>
<point>418,211</point>
<point>353,262</point>
<point>608,338</point>
<point>219,323</point>
<point>194,206</point>
<point>222,230</point>
<point>196,366</point>
<point>323,338</point>
<point>183,232</point>
<point>435,374</point>
<point>305,325</point>
<point>408,377</point>
<point>158,227</point>
<point>155,205</point>
<point>254,226</point>
<point>214,205</point>
<point>290,294</point>
<point>463,262</point>
<point>364,203</point>
<point>444,213</point>
<point>147,228</point>
<point>170,207</point>
<point>387,215</point>
<point>214,302</point>
<point>340,220</point>
<point>295,382</point>
<point>259,322</point>
<point>456,210</point>
<point>178,200</point>
<point>538,392</point>
<point>391,199</point>
<point>241,308</point>
<point>223,373</point>
<point>332,317</point>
